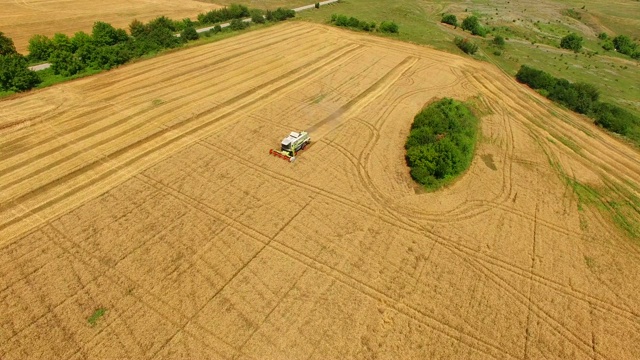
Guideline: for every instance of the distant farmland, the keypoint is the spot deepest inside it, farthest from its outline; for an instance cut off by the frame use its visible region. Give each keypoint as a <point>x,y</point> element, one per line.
<point>20,20</point>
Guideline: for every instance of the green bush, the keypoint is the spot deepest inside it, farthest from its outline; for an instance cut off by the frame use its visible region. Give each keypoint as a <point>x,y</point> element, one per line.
<point>625,45</point>
<point>65,63</point>
<point>608,45</point>
<point>237,24</point>
<point>472,24</point>
<point>466,45</point>
<point>189,34</point>
<point>281,14</point>
<point>498,41</point>
<point>40,48</point>
<point>7,46</point>
<point>15,74</point>
<point>571,42</point>
<point>536,79</point>
<point>180,25</point>
<point>234,11</point>
<point>441,142</point>
<point>603,36</point>
<point>104,34</point>
<point>449,19</point>
<point>615,118</point>
<point>352,22</point>
<point>61,42</point>
<point>317,5</point>
<point>389,27</point>
<point>257,16</point>
<point>81,39</point>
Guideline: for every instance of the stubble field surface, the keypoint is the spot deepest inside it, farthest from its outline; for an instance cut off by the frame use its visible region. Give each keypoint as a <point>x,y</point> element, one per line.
<point>21,19</point>
<point>148,191</point>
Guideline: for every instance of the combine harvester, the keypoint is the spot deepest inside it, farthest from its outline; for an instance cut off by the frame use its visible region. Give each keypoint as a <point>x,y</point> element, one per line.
<point>291,145</point>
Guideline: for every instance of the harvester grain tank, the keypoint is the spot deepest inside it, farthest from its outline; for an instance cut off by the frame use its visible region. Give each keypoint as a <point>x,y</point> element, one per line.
<point>291,145</point>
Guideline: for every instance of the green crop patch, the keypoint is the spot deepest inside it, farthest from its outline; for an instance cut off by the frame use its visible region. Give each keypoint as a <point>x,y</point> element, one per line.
<point>97,315</point>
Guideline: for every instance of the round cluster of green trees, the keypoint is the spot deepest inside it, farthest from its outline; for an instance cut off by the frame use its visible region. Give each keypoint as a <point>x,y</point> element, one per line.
<point>441,143</point>
<point>571,42</point>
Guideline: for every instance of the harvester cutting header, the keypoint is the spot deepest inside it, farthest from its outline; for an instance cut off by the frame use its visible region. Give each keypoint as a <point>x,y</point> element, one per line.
<point>292,145</point>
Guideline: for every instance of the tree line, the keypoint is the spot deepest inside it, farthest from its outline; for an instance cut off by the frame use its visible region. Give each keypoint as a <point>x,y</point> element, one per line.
<point>107,47</point>
<point>622,44</point>
<point>584,99</point>
<point>354,23</point>
<point>441,143</point>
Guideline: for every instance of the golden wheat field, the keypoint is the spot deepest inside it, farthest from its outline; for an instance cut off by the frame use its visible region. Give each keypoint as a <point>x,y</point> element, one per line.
<point>148,193</point>
<point>21,19</point>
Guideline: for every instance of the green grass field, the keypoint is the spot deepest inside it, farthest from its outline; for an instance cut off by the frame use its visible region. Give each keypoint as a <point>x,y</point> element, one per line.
<point>533,31</point>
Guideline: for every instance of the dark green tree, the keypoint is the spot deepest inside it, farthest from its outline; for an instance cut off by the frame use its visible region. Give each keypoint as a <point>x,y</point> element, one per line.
<point>625,45</point>
<point>389,27</point>
<point>465,45</point>
<point>65,63</point>
<point>15,74</point>
<point>104,34</point>
<point>536,79</point>
<point>472,24</point>
<point>257,16</point>
<point>238,11</point>
<point>162,22</point>
<point>189,34</point>
<point>572,42</point>
<point>40,48</point>
<point>353,22</point>
<point>79,40</point>
<point>281,14</point>
<point>61,42</point>
<point>615,118</point>
<point>450,19</point>
<point>137,28</point>
<point>237,24</point>
<point>6,45</point>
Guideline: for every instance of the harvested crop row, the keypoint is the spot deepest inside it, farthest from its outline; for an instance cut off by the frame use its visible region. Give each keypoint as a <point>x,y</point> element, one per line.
<point>142,205</point>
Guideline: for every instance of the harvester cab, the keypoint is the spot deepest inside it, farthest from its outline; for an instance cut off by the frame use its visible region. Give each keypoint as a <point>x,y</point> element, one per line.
<point>292,145</point>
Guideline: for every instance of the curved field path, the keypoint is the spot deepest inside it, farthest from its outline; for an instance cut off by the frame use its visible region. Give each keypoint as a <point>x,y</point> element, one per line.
<point>148,191</point>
